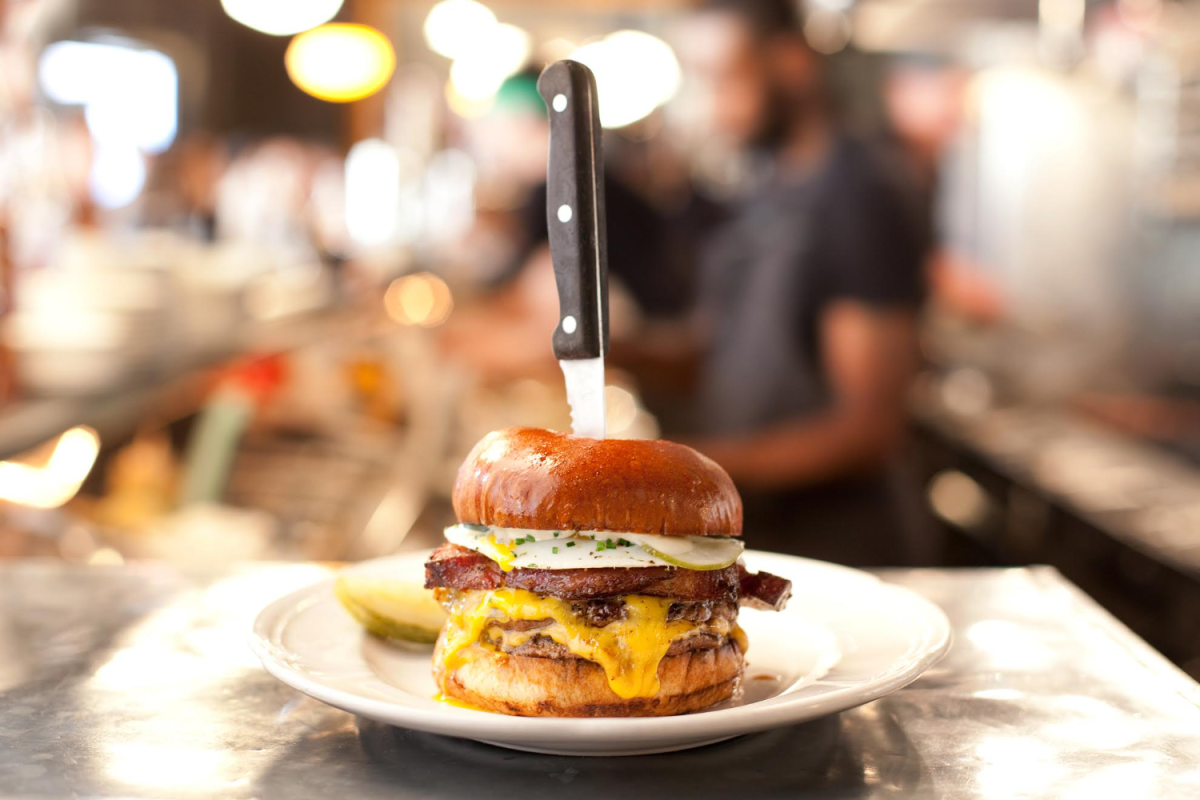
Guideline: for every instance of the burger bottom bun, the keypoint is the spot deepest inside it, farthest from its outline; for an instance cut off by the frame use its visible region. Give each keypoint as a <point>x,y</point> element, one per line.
<point>573,687</point>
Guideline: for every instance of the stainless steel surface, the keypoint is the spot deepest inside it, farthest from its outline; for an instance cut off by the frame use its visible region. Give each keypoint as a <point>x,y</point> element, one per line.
<point>585,394</point>
<point>135,681</point>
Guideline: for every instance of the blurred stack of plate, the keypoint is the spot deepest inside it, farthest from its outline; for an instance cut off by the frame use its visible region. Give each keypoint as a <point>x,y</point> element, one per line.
<point>110,310</point>
<point>89,322</point>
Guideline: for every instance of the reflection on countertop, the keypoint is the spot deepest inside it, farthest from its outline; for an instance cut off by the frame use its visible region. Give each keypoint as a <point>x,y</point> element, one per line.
<point>135,681</point>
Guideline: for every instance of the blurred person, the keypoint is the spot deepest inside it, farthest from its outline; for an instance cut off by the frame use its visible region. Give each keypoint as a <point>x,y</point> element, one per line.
<point>924,102</point>
<point>261,194</point>
<point>181,191</point>
<point>807,315</point>
<point>203,159</point>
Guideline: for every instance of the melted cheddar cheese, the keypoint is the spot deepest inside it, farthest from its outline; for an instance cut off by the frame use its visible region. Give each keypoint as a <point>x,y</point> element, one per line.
<point>629,650</point>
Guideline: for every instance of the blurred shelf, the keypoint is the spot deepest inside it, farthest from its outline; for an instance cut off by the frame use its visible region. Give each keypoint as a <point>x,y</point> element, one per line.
<point>29,422</point>
<point>26,424</point>
<point>1135,492</point>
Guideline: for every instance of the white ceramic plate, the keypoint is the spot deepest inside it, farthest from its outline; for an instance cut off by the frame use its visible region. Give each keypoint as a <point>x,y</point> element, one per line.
<point>846,638</point>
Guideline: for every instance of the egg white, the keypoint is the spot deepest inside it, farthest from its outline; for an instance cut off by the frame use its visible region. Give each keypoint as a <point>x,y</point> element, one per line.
<point>538,549</point>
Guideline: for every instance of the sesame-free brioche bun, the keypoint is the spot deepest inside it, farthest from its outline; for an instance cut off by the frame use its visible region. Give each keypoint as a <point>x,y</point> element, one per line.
<point>542,480</point>
<point>573,687</point>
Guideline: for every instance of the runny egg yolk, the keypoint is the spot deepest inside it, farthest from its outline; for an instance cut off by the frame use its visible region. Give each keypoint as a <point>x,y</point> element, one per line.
<point>499,552</point>
<point>628,650</point>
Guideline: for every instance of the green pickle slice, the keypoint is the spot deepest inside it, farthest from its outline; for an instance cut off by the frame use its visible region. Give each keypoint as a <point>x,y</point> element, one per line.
<point>393,609</point>
<point>694,552</point>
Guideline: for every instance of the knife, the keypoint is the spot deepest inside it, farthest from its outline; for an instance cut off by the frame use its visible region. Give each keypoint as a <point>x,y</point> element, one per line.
<point>578,246</point>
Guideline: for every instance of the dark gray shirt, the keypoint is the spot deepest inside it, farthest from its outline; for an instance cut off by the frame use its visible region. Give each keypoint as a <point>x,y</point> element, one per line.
<point>796,245</point>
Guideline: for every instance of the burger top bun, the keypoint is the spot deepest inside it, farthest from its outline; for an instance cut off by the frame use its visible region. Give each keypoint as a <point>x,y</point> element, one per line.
<point>542,480</point>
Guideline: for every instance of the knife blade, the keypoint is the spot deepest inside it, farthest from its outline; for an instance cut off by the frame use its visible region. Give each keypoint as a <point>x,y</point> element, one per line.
<point>578,241</point>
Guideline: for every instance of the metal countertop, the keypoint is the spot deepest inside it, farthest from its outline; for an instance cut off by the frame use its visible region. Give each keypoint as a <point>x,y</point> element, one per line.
<point>135,681</point>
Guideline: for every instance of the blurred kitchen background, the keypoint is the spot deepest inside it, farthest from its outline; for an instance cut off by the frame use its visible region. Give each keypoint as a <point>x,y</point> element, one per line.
<point>268,268</point>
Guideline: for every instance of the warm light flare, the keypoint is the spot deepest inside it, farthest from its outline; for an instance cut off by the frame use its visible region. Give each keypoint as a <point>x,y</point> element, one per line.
<point>57,482</point>
<point>340,63</point>
<point>423,299</point>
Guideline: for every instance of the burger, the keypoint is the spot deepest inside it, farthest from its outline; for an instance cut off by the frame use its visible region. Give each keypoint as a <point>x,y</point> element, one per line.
<point>593,578</point>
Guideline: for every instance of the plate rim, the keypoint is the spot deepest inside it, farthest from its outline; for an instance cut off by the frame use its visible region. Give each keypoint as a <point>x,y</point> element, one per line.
<point>478,725</point>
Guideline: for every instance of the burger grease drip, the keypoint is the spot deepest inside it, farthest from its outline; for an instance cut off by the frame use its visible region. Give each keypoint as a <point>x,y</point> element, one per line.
<point>628,649</point>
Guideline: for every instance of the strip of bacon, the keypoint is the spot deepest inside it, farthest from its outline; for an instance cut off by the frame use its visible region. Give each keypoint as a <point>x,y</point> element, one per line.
<point>762,590</point>
<point>455,567</point>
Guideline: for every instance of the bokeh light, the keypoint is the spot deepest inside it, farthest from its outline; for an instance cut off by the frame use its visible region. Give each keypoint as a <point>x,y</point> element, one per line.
<point>56,482</point>
<point>958,499</point>
<point>117,175</point>
<point>129,93</point>
<point>281,17</point>
<point>340,63</point>
<point>478,74</point>
<point>635,74</point>
<point>466,107</point>
<point>620,410</point>
<point>1065,15</point>
<point>456,28</point>
<point>372,193</point>
<point>422,299</point>
<point>827,31</point>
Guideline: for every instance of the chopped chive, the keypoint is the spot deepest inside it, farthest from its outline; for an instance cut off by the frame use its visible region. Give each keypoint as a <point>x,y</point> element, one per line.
<point>599,546</point>
<point>570,544</point>
<point>556,534</point>
<point>554,550</point>
<point>609,545</point>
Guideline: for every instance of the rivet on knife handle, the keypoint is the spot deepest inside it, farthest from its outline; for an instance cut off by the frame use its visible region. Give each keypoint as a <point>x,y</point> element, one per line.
<point>575,210</point>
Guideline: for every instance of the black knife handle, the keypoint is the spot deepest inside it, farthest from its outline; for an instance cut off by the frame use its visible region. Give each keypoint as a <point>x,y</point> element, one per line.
<point>575,210</point>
